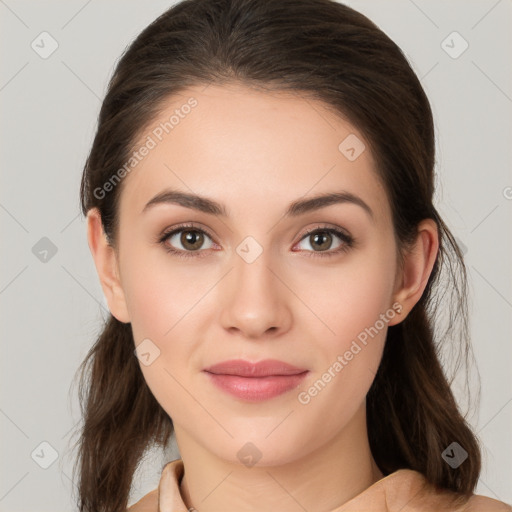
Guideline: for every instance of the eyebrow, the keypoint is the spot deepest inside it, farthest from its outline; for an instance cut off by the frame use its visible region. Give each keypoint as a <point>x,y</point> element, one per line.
<point>296,208</point>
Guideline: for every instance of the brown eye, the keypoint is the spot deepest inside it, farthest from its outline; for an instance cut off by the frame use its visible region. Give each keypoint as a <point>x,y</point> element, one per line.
<point>191,240</point>
<point>321,241</point>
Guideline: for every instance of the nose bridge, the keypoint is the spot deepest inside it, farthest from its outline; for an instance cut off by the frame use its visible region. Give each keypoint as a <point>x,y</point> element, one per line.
<point>252,269</point>
<point>254,280</point>
<point>256,300</point>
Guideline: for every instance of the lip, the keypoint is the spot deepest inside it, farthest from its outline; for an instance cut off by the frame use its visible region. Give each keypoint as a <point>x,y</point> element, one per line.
<point>265,368</point>
<point>255,381</point>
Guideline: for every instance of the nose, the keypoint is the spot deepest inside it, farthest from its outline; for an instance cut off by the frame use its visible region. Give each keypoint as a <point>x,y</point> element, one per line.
<point>255,301</point>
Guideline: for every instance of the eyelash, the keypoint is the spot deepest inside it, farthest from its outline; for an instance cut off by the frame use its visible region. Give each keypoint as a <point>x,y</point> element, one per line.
<point>348,241</point>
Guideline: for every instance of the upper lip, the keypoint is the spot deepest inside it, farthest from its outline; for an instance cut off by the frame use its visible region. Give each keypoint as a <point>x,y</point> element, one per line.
<point>260,369</point>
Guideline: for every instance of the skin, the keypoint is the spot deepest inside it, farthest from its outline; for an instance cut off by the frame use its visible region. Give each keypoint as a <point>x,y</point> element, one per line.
<point>256,152</point>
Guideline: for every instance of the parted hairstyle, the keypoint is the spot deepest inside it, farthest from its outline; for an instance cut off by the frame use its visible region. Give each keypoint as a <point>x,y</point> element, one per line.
<point>327,51</point>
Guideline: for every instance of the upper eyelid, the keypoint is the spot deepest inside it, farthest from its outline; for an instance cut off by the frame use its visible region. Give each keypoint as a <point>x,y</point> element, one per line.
<point>327,227</point>
<point>166,233</point>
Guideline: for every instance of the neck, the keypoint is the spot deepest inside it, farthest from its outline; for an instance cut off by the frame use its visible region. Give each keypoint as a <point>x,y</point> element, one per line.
<point>322,480</point>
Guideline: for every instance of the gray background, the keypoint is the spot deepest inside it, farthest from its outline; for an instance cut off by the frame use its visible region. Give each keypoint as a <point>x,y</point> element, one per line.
<point>51,310</point>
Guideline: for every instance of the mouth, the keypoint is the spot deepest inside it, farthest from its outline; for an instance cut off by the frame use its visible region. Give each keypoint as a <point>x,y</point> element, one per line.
<point>255,382</point>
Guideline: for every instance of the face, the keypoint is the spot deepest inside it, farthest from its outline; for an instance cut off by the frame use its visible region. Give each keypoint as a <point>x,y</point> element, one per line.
<point>257,283</point>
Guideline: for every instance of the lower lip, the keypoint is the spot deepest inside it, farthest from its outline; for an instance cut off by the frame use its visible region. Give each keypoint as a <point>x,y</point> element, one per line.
<point>256,389</point>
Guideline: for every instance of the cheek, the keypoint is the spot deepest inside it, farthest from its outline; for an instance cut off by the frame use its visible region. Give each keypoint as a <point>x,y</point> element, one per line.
<point>356,307</point>
<point>349,362</point>
<point>351,298</point>
<point>160,295</point>
<point>161,304</point>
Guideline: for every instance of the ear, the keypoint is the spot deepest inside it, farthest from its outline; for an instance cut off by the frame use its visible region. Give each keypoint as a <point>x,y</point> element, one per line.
<point>418,263</point>
<point>106,263</point>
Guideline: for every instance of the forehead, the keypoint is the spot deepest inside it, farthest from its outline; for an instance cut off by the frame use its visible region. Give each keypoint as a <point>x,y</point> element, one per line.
<point>247,147</point>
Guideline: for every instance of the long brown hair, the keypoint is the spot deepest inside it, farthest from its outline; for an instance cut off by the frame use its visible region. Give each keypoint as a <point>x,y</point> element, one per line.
<point>332,53</point>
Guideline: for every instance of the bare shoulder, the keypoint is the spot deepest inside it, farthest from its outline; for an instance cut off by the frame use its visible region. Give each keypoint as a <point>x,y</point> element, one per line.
<point>148,503</point>
<point>479,503</point>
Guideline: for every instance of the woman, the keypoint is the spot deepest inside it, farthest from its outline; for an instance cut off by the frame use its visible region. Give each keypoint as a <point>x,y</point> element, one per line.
<point>259,201</point>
